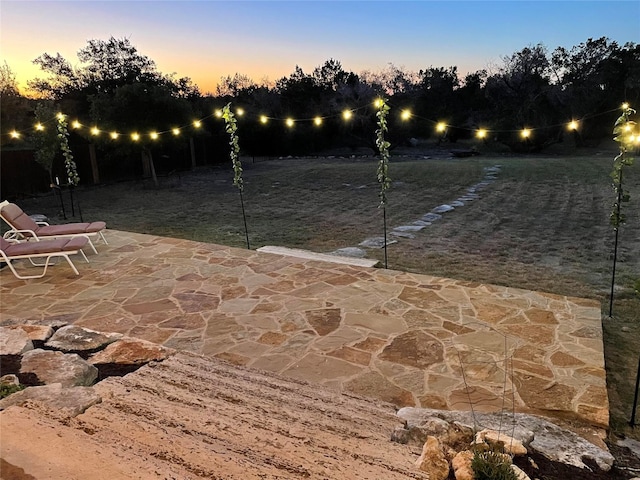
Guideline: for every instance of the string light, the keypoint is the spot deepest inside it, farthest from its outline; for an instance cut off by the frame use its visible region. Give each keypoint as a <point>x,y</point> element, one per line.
<point>378,103</point>
<point>625,106</point>
<point>135,137</point>
<point>346,115</point>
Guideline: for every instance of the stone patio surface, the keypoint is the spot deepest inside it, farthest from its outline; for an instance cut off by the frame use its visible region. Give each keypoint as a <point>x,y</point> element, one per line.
<point>409,339</point>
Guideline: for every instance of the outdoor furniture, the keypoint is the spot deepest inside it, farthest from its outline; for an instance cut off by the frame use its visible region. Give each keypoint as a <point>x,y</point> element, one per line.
<point>47,249</point>
<point>24,228</point>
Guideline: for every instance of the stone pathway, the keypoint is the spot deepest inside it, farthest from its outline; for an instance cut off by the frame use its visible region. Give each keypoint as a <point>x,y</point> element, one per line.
<point>413,340</point>
<point>409,231</point>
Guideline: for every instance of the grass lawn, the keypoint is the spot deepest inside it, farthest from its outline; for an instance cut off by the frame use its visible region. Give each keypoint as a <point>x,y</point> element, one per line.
<point>542,225</point>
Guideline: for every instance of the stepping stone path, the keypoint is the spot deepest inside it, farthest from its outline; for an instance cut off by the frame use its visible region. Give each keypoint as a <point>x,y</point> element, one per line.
<point>408,231</point>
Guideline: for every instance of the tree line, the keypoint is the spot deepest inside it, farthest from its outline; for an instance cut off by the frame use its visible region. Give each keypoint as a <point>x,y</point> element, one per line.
<point>117,87</point>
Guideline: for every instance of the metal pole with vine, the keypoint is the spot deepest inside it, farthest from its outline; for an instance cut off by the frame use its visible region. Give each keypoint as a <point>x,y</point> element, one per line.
<point>383,165</point>
<point>621,131</point>
<point>70,165</point>
<point>231,128</point>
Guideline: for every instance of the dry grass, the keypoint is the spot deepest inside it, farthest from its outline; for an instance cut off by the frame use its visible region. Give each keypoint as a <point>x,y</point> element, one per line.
<point>543,225</point>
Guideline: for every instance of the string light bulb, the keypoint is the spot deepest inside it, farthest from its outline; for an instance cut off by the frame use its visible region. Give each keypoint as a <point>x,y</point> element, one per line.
<point>218,113</point>
<point>95,131</point>
<point>441,127</point>
<point>114,135</point>
<point>289,122</point>
<point>175,131</point>
<point>263,119</point>
<point>317,121</point>
<point>525,133</point>
<point>60,116</point>
<point>481,133</point>
<point>347,114</point>
<point>378,103</point>
<point>14,134</point>
<point>625,106</point>
<point>76,124</point>
<point>406,114</point>
<point>573,125</point>
<point>39,127</point>
<point>154,135</point>
<point>240,112</point>
<point>197,123</point>
<point>135,137</point>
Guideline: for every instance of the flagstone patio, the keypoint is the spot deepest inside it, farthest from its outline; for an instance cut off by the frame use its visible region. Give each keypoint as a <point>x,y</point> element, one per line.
<point>413,340</point>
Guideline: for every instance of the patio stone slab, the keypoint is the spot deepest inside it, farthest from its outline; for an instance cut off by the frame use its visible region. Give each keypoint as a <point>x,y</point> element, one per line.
<point>397,336</point>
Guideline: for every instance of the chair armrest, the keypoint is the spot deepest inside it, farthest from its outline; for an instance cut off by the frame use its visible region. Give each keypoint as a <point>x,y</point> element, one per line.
<point>42,224</point>
<point>14,234</point>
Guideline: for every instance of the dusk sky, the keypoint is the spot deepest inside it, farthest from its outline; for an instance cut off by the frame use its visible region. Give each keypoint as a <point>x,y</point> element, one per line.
<point>206,40</point>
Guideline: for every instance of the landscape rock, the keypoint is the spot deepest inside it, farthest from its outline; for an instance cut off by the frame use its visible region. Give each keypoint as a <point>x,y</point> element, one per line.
<point>433,460</point>
<point>403,234</point>
<point>376,242</point>
<point>431,217</point>
<point>70,401</point>
<point>126,355</point>
<point>461,465</point>
<point>46,367</point>
<point>539,434</point>
<point>353,252</point>
<point>36,333</point>
<point>13,343</point>
<point>74,339</point>
<point>9,379</point>
<point>520,475</point>
<point>408,228</point>
<point>443,209</point>
<point>504,442</point>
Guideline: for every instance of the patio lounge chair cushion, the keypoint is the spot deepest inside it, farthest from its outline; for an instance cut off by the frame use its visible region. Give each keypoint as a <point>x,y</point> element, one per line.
<point>45,249</point>
<point>42,248</point>
<point>19,220</point>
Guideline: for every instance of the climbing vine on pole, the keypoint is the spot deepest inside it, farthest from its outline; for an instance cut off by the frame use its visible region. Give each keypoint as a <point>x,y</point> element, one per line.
<point>231,127</point>
<point>622,131</point>
<point>383,165</point>
<point>69,163</point>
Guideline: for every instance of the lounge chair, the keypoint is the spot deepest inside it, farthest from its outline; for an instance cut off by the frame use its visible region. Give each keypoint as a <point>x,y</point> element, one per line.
<point>23,227</point>
<point>47,249</point>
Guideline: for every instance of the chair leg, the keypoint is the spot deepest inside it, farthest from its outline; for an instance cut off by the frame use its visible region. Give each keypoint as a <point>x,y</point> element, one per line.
<point>103,239</point>
<point>91,245</point>
<point>73,267</point>
<point>83,254</point>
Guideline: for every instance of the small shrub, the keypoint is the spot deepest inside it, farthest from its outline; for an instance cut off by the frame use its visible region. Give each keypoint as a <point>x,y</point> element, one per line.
<point>6,390</point>
<point>491,465</point>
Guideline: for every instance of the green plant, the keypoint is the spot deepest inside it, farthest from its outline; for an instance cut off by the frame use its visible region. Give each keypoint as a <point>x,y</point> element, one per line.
<point>70,165</point>
<point>6,390</point>
<point>231,127</point>
<point>491,465</point>
<point>383,165</point>
<point>623,132</point>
